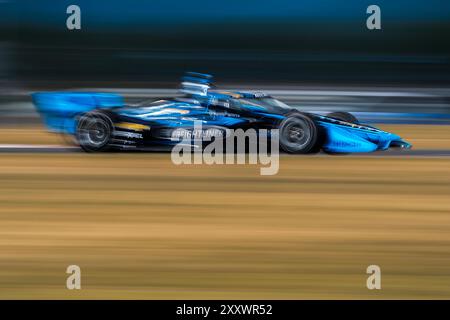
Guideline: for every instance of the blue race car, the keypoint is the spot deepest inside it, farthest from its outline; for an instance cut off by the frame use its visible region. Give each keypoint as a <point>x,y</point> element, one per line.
<point>101,122</point>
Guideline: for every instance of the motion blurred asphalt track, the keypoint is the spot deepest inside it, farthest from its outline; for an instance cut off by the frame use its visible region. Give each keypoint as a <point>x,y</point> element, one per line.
<point>141,227</point>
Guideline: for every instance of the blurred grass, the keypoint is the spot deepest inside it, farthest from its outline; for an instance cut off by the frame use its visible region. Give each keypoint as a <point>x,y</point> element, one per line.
<point>422,136</point>
<point>141,227</point>
<point>29,134</point>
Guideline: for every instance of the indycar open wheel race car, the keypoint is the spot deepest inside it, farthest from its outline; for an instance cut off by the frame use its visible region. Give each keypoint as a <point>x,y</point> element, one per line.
<point>101,122</point>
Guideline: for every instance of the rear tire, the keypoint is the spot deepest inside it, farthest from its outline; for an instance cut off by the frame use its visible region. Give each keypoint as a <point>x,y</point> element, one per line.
<point>343,116</point>
<point>298,134</point>
<point>94,131</point>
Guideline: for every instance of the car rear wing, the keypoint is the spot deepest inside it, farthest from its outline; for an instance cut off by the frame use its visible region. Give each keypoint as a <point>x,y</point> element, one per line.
<point>59,110</point>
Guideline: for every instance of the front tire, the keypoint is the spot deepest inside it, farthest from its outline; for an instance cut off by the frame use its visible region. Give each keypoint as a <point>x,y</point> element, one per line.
<point>94,132</point>
<point>298,134</point>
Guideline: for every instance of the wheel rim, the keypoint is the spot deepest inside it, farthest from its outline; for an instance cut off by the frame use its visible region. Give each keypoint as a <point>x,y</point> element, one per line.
<point>296,134</point>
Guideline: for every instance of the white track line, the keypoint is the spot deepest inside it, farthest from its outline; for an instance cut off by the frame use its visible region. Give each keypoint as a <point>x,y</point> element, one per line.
<point>34,146</point>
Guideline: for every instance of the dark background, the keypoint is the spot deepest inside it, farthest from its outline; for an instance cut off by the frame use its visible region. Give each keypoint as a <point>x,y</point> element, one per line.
<point>152,43</point>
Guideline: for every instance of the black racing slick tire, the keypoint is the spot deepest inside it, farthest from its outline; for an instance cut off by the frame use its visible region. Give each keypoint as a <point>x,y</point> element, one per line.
<point>343,116</point>
<point>94,131</point>
<point>298,134</point>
